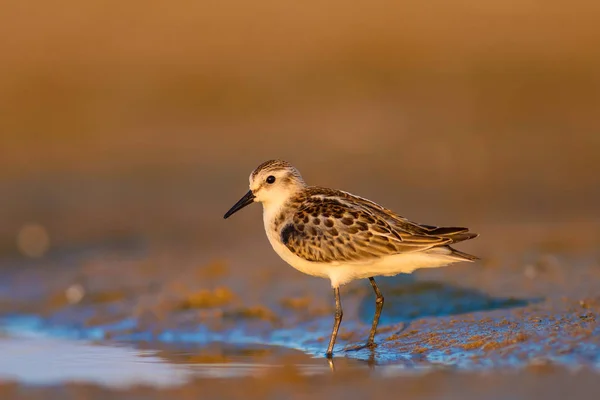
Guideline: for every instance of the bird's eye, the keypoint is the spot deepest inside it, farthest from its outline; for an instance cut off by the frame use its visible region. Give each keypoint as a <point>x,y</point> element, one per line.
<point>270,179</point>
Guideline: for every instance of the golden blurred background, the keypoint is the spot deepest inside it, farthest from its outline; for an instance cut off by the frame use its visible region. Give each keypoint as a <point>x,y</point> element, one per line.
<point>144,118</point>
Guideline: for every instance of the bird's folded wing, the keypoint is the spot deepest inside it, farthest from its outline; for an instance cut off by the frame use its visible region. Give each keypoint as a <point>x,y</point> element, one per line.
<point>333,229</point>
<point>409,229</point>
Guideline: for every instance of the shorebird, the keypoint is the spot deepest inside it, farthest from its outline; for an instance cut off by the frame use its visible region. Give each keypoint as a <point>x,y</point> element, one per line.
<point>336,235</point>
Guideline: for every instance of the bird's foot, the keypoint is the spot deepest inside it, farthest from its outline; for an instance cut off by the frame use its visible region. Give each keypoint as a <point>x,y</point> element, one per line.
<point>368,345</point>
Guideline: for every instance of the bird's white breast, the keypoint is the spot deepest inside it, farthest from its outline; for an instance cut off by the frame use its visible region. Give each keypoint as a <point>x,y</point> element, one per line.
<point>274,236</point>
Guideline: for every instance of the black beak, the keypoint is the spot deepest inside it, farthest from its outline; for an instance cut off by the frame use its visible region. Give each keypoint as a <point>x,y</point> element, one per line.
<point>244,201</point>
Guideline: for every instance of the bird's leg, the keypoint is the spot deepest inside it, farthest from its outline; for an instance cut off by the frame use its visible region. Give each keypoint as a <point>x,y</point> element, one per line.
<point>338,320</point>
<point>378,308</point>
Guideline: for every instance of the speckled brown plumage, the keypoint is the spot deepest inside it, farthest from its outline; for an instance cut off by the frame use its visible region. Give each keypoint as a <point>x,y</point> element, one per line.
<point>334,226</point>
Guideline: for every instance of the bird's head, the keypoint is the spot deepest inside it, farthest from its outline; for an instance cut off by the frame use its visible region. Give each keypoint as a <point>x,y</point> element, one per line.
<point>271,183</point>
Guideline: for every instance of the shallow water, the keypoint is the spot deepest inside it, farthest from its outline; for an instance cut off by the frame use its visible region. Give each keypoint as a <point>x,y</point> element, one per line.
<point>31,359</point>
<point>35,355</point>
<point>49,361</point>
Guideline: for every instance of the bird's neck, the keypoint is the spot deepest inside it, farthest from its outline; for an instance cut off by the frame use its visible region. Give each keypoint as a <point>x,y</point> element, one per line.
<point>273,208</point>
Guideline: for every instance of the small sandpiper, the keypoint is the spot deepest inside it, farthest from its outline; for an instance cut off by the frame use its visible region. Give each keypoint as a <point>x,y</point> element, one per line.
<point>336,235</point>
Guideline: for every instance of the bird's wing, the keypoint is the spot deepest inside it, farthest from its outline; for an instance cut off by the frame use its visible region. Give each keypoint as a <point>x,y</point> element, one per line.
<point>407,228</point>
<point>329,227</point>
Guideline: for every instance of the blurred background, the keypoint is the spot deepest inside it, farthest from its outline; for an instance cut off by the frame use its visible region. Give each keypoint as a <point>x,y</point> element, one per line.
<point>127,129</point>
<point>144,119</point>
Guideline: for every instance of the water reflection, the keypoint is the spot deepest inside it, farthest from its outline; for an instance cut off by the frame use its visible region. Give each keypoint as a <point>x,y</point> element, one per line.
<point>46,361</point>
